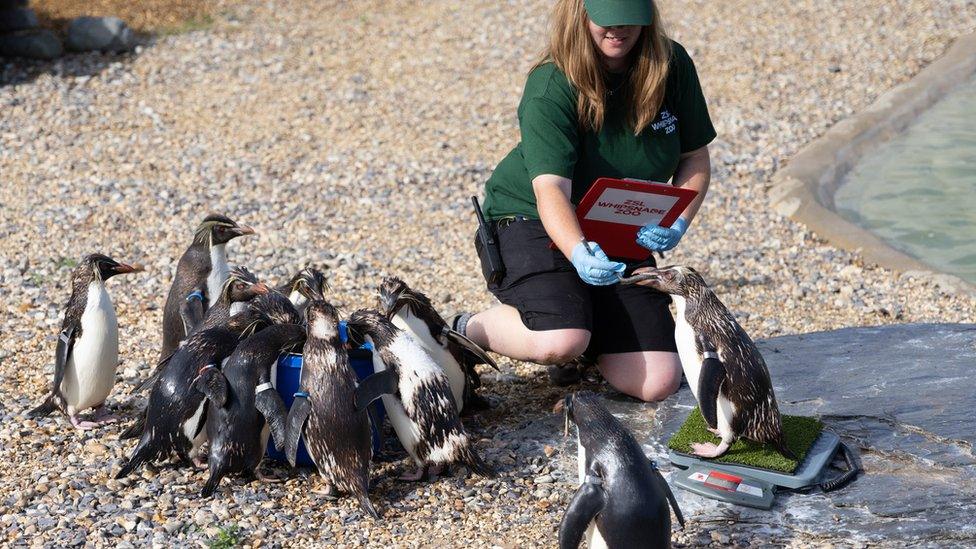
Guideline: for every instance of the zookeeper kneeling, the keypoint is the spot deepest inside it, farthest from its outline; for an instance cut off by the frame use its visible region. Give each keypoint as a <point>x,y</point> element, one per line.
<point>612,96</point>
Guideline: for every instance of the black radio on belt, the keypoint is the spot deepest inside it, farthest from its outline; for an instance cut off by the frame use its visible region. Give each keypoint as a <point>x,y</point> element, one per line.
<point>492,266</point>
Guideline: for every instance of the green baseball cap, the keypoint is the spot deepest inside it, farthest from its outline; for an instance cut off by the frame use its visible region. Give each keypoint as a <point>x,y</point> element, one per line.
<point>613,13</point>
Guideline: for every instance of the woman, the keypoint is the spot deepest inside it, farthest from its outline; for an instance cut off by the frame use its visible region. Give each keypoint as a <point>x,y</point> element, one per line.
<point>612,96</point>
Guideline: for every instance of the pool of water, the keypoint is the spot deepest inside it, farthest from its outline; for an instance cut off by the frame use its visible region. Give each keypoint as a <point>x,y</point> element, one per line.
<point>918,191</point>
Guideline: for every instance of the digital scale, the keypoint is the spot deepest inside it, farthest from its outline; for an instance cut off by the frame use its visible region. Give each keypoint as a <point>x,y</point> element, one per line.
<point>755,487</point>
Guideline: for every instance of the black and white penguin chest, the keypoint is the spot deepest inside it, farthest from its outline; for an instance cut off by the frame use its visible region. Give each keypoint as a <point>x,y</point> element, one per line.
<point>416,327</point>
<point>90,372</point>
<point>424,417</point>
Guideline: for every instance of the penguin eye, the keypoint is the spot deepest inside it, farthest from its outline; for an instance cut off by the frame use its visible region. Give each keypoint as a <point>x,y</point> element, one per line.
<point>239,286</point>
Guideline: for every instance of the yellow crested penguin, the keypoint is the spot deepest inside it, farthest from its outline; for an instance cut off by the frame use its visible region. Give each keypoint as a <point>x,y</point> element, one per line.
<point>413,312</point>
<point>416,395</point>
<point>87,353</point>
<point>203,265</point>
<point>307,285</point>
<point>724,368</point>
<point>336,434</point>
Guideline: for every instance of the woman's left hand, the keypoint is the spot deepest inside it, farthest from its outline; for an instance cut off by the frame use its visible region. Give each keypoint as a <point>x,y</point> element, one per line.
<point>661,239</point>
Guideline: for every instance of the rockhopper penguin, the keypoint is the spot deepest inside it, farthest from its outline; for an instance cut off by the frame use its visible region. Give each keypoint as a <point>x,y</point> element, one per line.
<point>240,287</point>
<point>412,312</point>
<point>203,265</point>
<point>622,500</point>
<point>176,413</point>
<point>724,368</point>
<point>243,406</point>
<point>416,394</point>
<point>87,353</point>
<point>337,435</point>
<point>307,285</point>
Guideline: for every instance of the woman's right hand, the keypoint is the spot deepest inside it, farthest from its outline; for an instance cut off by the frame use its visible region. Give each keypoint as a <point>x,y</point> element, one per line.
<point>596,269</point>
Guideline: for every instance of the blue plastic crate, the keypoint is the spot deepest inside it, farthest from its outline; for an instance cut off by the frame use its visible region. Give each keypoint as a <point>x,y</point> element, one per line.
<point>287,379</point>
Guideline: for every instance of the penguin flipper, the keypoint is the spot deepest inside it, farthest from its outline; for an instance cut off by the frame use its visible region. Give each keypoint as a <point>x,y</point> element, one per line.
<point>587,503</point>
<point>667,492</point>
<point>212,383</point>
<point>710,382</point>
<point>151,380</point>
<point>273,409</point>
<point>376,385</point>
<point>191,313</point>
<point>66,343</point>
<point>459,339</point>
<point>300,410</point>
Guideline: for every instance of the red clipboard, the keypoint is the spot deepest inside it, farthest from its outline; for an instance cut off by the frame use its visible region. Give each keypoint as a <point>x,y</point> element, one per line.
<point>613,210</point>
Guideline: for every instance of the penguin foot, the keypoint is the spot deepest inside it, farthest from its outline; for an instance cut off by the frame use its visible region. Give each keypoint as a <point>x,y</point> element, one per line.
<point>330,492</point>
<point>260,476</point>
<point>714,431</point>
<point>199,462</point>
<point>709,450</point>
<point>82,425</point>
<point>414,476</point>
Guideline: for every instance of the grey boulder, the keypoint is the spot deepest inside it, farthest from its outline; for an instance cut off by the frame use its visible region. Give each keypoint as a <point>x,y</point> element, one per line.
<point>35,44</point>
<point>100,34</point>
<point>17,19</point>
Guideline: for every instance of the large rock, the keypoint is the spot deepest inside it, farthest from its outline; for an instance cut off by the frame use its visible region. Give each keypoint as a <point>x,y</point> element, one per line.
<point>17,19</point>
<point>903,395</point>
<point>99,34</point>
<point>35,44</point>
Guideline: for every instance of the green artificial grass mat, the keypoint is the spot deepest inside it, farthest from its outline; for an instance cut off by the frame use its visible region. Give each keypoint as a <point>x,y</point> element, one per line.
<point>800,431</point>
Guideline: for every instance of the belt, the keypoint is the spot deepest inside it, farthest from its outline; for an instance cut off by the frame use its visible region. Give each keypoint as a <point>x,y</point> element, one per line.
<point>508,220</point>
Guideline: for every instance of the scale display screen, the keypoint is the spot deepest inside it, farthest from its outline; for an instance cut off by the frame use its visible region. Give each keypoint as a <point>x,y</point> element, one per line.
<point>722,481</point>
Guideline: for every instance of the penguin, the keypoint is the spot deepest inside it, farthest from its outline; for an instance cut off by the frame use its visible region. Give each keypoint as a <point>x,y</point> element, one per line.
<point>87,352</point>
<point>243,406</point>
<point>307,285</point>
<point>622,499</point>
<point>202,266</point>
<point>724,368</point>
<point>337,435</point>
<point>412,312</point>
<point>279,308</point>
<point>175,415</point>
<point>416,395</point>
<point>240,287</point>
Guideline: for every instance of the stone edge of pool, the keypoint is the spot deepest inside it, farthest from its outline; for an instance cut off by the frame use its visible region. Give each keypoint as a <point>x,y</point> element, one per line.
<point>804,189</point>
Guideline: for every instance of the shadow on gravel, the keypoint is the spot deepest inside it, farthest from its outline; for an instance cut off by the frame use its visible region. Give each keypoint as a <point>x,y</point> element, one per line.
<point>18,70</point>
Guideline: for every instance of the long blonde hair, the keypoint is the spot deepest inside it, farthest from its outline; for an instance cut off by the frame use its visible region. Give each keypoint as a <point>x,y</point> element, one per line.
<point>572,49</point>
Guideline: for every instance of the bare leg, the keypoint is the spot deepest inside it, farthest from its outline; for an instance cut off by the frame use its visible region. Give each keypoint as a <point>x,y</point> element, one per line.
<point>81,425</point>
<point>649,375</point>
<point>501,330</point>
<point>260,476</point>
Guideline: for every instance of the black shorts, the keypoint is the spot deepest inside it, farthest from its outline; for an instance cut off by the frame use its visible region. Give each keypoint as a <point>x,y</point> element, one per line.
<point>549,295</point>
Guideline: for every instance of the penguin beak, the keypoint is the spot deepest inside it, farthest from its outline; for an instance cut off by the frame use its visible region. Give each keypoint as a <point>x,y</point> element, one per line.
<point>242,230</point>
<point>123,268</point>
<point>260,288</point>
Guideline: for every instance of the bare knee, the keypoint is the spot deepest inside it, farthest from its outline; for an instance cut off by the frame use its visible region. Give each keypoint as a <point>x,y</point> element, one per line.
<point>559,346</point>
<point>649,376</point>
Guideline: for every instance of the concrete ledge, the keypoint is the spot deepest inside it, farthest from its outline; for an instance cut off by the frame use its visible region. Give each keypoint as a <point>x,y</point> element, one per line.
<point>804,189</point>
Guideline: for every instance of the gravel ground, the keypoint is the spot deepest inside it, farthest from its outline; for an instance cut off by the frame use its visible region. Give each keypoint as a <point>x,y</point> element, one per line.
<point>350,135</point>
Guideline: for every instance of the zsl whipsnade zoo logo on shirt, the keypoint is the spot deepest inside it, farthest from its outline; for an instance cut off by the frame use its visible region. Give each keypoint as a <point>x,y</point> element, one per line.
<point>630,207</point>
<point>667,121</point>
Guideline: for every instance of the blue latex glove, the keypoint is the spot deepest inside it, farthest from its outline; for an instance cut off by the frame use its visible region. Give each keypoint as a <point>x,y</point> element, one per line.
<point>661,239</point>
<point>596,269</point>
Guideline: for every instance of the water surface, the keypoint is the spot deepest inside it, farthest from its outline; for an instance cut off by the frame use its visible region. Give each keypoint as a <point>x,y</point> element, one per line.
<point>918,191</point>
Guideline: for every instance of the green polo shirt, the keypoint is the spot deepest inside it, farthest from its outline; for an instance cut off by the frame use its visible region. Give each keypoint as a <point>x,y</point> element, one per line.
<point>553,143</point>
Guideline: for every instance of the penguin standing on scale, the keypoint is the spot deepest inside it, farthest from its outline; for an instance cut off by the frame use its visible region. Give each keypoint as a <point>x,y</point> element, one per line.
<point>412,312</point>
<point>87,353</point>
<point>416,395</point>
<point>724,368</point>
<point>203,265</point>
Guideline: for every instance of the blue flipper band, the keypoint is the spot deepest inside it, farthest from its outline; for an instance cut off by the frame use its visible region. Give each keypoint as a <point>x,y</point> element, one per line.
<point>343,332</point>
<point>593,479</point>
<point>195,295</point>
<point>302,394</point>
